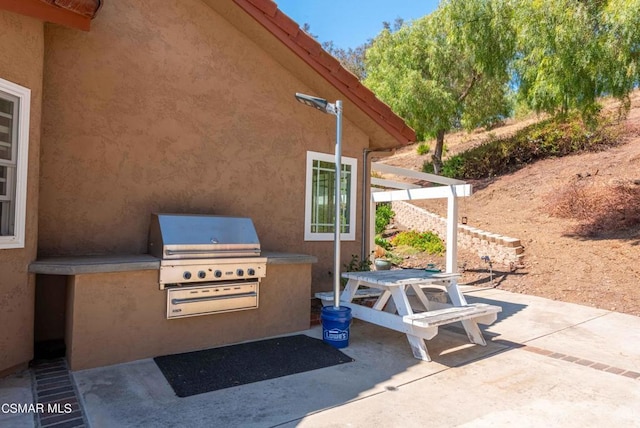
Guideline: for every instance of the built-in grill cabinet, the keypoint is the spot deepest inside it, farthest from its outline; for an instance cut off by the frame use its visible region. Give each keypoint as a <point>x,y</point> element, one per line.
<point>208,264</point>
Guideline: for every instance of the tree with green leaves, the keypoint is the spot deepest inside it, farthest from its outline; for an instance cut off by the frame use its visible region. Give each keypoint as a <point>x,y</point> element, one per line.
<point>446,70</point>
<point>558,55</point>
<point>454,68</point>
<point>620,29</point>
<point>622,20</point>
<point>569,53</point>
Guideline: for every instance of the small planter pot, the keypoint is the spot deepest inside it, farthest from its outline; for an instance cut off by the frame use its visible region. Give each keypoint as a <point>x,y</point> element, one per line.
<point>382,264</point>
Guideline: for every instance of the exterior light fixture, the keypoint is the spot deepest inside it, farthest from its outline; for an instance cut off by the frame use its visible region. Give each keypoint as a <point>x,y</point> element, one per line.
<point>317,103</point>
<point>336,110</point>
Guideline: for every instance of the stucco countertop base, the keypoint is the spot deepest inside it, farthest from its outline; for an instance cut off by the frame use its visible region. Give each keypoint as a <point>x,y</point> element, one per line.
<point>113,304</point>
<point>77,265</point>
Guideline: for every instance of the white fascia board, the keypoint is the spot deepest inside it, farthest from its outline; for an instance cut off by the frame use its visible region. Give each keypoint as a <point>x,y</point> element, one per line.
<point>393,184</point>
<point>388,169</point>
<point>463,190</point>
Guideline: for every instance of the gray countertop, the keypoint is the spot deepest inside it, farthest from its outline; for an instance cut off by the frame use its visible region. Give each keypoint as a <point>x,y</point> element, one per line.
<point>76,265</point>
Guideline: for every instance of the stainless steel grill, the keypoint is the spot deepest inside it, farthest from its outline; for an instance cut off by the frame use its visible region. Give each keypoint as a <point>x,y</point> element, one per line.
<point>209,264</point>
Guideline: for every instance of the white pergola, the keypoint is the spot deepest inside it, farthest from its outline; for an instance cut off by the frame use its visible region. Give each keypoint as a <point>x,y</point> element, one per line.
<point>448,188</point>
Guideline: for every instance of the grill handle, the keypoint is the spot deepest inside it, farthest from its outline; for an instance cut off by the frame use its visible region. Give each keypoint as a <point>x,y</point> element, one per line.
<point>208,299</point>
<point>215,252</point>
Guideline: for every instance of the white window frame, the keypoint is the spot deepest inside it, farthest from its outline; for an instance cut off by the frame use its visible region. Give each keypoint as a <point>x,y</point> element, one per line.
<point>21,140</point>
<point>316,236</point>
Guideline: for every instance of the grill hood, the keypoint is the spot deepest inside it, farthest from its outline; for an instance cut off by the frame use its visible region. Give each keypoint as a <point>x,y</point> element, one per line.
<point>189,236</point>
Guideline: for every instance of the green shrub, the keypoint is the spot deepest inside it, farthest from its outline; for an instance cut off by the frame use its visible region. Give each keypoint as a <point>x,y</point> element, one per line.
<point>423,148</point>
<point>428,167</point>
<point>384,243</point>
<point>357,265</point>
<point>394,258</point>
<point>423,241</point>
<point>453,167</point>
<point>384,214</point>
<point>545,139</point>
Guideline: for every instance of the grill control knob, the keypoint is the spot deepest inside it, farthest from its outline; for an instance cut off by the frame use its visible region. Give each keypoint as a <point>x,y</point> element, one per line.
<point>186,275</point>
<point>202,274</point>
<point>251,272</point>
<point>240,272</point>
<point>217,273</point>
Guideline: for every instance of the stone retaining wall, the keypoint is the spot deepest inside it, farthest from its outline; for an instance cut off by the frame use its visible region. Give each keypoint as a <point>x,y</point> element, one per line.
<point>501,249</point>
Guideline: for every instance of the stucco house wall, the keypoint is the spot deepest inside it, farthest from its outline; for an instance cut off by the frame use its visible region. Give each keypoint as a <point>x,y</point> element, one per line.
<point>169,108</point>
<point>22,47</point>
<point>184,107</point>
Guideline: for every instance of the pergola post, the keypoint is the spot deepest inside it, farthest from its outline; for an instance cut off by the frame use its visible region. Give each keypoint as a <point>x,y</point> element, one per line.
<point>452,231</point>
<point>449,188</point>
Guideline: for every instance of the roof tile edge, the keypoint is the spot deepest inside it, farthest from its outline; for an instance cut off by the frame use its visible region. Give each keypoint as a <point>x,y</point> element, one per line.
<point>266,12</point>
<point>86,8</point>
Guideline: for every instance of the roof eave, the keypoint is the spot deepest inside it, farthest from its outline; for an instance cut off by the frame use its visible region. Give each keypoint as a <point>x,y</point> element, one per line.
<point>69,13</point>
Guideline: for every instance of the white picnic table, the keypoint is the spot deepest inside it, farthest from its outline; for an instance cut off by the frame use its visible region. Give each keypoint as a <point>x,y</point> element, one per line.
<point>392,308</point>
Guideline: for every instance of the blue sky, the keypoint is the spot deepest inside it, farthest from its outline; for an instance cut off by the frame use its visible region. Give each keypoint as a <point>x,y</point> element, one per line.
<point>349,23</point>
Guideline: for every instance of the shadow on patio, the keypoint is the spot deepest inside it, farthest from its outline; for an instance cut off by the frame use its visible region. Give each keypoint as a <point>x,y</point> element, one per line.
<point>137,394</point>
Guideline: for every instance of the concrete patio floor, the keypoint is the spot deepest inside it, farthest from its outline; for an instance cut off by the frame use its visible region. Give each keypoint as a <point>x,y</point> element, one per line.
<point>547,363</point>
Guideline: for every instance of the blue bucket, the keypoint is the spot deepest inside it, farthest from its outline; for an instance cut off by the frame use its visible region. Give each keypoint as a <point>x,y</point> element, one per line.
<point>335,325</point>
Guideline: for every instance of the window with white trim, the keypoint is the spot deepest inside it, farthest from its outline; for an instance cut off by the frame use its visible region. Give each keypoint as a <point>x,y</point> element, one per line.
<point>319,212</point>
<point>14,151</point>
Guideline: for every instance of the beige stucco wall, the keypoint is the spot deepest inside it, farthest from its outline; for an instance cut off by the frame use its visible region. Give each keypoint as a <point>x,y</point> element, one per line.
<point>166,107</point>
<point>21,45</point>
<point>118,317</point>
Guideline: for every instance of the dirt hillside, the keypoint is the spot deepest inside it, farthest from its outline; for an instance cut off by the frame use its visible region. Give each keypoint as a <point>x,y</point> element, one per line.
<point>600,269</point>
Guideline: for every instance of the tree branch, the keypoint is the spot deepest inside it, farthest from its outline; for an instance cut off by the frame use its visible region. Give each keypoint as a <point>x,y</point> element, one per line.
<point>474,79</point>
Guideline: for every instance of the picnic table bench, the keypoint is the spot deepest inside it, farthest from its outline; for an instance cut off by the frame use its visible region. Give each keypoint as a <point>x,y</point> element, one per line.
<point>392,308</point>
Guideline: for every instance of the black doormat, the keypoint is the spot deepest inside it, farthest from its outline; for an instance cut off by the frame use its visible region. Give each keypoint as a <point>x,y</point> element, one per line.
<point>212,369</point>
